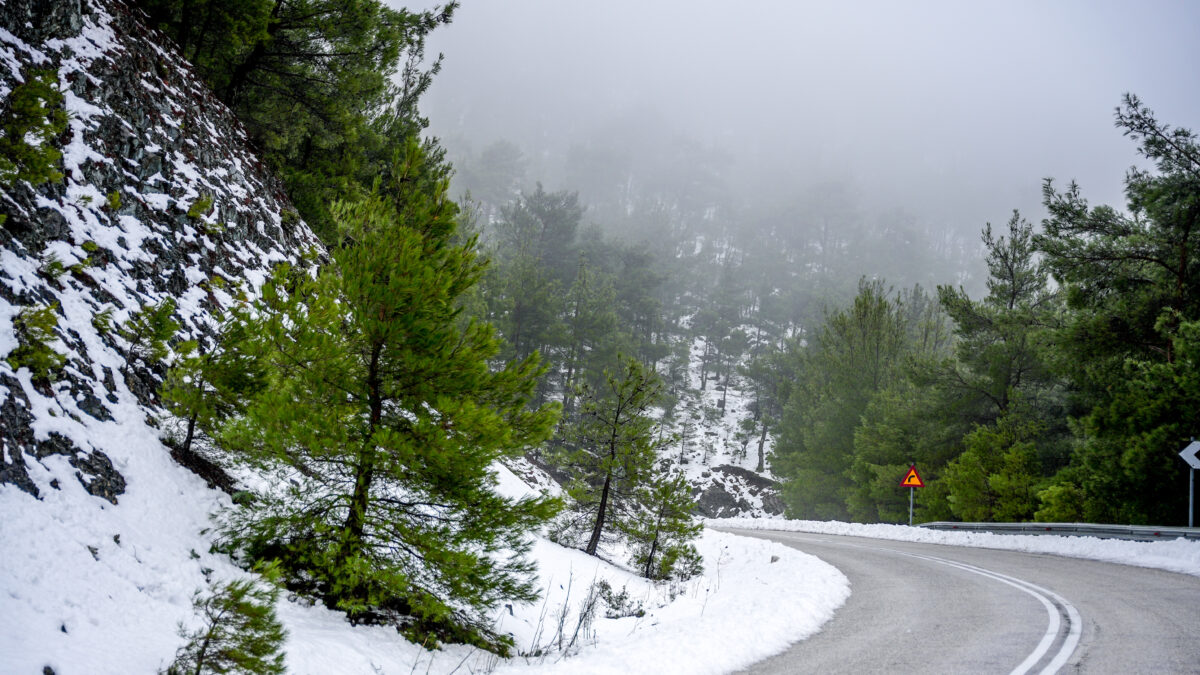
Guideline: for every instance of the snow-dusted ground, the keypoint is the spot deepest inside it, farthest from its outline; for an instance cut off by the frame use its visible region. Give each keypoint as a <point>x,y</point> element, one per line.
<point>89,587</point>
<point>712,449</point>
<point>1176,555</point>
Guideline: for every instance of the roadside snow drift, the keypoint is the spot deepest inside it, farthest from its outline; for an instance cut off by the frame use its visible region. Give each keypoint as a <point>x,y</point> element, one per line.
<point>1177,555</point>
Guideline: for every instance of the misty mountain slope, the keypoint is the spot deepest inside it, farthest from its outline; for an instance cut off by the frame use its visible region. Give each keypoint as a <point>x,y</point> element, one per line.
<point>716,454</point>
<point>104,535</point>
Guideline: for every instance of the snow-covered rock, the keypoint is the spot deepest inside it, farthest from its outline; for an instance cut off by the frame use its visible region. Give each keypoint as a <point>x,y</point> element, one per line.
<point>146,142</point>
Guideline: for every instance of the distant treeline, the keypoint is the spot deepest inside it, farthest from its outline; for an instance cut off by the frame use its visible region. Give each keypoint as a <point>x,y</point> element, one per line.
<point>1063,394</point>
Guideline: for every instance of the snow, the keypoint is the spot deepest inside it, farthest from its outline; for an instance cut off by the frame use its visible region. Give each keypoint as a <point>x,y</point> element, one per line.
<point>90,587</point>
<point>1174,555</point>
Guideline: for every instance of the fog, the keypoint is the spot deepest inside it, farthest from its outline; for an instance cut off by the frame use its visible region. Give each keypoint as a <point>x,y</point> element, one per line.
<point>950,112</point>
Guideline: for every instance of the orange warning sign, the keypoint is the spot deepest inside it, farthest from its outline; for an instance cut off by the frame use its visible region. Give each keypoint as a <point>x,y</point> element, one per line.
<point>912,479</point>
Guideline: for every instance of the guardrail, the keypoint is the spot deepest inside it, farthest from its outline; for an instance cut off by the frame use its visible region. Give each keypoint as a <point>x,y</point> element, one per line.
<point>1134,532</point>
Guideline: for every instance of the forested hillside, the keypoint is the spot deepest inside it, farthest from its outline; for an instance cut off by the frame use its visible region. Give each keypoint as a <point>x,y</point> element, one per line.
<point>232,247</point>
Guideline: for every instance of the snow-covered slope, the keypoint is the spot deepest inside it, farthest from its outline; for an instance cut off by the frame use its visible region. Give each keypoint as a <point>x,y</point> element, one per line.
<point>146,143</point>
<point>103,534</point>
<point>718,456</point>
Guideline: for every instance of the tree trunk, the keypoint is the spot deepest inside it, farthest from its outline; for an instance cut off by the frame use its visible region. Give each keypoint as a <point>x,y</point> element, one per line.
<point>650,557</point>
<point>594,542</point>
<point>761,457</point>
<point>191,431</point>
<point>364,470</point>
<point>238,79</point>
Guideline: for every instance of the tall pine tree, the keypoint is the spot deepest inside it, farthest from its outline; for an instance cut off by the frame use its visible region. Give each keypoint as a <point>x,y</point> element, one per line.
<point>384,423</point>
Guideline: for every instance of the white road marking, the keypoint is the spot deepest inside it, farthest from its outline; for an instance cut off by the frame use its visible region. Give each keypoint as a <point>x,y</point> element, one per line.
<point>1074,622</point>
<point>1043,595</point>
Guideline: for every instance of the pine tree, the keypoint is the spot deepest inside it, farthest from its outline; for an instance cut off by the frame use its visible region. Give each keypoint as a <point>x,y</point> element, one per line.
<point>206,387</point>
<point>590,325</point>
<point>241,633</point>
<point>613,453</point>
<point>383,415</point>
<point>1132,280</point>
<point>663,529</point>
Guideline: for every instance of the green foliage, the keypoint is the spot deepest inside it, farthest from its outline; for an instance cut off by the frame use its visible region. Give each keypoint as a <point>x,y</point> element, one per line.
<point>52,267</point>
<point>90,246</point>
<point>113,199</point>
<point>201,206</point>
<point>149,331</point>
<point>240,632</point>
<point>853,357</point>
<point>81,266</point>
<point>662,530</point>
<point>612,453</point>
<point>327,89</point>
<point>32,121</point>
<point>1061,503</point>
<point>34,329</point>
<point>1132,288</point>
<point>386,412</point>
<point>206,388</point>
<point>615,485</point>
<point>996,476</point>
<point>102,320</point>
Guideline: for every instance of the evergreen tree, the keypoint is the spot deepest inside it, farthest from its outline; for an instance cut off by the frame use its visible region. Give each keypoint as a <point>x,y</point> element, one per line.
<point>855,356</point>
<point>383,414</point>
<point>613,452</point>
<point>327,89</point>
<point>207,387</point>
<point>591,329</point>
<point>663,529</point>
<point>995,478</point>
<point>241,633</point>
<point>1001,348</point>
<point>1132,280</point>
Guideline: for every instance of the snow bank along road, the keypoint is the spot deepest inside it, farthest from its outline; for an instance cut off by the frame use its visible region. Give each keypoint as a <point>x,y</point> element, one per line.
<point>928,608</point>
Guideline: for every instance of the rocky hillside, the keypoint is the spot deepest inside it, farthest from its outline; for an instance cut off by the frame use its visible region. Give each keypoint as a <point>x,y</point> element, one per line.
<point>160,199</point>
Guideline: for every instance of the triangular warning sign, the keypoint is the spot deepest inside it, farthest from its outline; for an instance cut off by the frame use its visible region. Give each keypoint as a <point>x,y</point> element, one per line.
<point>912,479</point>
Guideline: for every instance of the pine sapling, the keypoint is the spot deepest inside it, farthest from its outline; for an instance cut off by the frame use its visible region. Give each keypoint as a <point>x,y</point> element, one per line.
<point>240,632</point>
<point>34,328</point>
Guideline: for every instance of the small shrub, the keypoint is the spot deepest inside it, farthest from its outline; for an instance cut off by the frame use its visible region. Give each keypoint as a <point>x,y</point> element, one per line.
<point>241,633</point>
<point>150,331</point>
<point>619,603</point>
<point>679,562</point>
<point>102,321</point>
<point>34,328</point>
<point>200,207</point>
<point>90,246</point>
<point>1061,503</point>
<point>52,267</point>
<point>82,265</point>
<point>114,200</point>
<point>29,125</point>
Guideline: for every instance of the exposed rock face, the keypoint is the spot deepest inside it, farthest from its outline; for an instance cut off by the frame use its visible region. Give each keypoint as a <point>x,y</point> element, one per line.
<point>146,143</point>
<point>35,21</point>
<point>730,491</point>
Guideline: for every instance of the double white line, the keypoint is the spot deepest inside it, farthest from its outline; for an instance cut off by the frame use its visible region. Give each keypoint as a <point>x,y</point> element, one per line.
<point>1056,608</point>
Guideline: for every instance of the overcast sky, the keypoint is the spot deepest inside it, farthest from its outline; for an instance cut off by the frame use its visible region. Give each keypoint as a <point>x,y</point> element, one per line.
<point>952,110</point>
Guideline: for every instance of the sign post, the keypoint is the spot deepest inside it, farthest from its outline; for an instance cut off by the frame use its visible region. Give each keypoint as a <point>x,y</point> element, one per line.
<point>912,480</point>
<point>1189,455</point>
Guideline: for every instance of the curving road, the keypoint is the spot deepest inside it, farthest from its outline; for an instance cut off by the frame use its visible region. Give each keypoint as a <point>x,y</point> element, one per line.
<point>928,608</point>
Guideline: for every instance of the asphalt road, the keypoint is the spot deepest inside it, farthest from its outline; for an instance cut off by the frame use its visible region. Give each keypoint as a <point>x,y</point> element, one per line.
<point>928,608</point>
